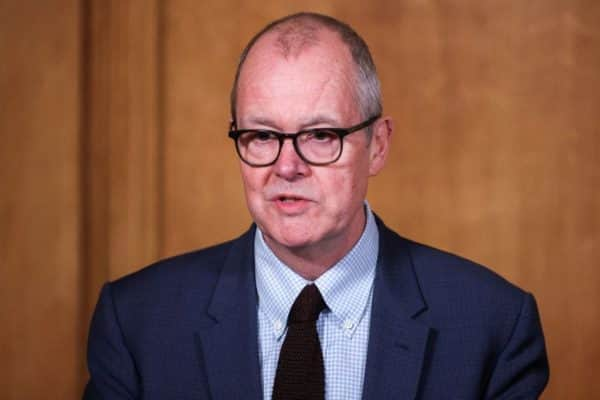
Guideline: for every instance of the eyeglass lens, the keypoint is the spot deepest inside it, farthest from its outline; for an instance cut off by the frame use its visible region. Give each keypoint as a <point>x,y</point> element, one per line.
<point>261,147</point>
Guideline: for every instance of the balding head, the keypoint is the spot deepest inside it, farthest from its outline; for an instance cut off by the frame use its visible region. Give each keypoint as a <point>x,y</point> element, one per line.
<point>295,33</point>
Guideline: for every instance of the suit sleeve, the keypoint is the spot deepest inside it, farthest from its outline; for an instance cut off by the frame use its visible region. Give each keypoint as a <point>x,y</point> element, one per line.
<point>521,371</point>
<point>112,370</point>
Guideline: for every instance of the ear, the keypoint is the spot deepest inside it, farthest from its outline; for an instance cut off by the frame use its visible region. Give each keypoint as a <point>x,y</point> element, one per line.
<point>380,144</point>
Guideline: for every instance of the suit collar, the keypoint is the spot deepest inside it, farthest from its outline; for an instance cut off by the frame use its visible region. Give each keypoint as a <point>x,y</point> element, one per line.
<point>398,343</point>
<point>227,341</point>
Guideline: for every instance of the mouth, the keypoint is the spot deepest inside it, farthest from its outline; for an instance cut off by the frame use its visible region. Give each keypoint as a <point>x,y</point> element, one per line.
<point>288,199</point>
<point>290,204</point>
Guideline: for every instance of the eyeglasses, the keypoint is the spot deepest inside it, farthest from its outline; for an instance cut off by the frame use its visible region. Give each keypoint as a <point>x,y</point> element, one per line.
<point>319,146</point>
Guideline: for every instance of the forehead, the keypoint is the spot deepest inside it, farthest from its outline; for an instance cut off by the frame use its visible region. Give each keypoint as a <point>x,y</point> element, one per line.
<point>291,70</point>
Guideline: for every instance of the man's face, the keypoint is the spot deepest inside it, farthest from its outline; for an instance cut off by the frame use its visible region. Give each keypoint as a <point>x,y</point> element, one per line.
<point>299,206</point>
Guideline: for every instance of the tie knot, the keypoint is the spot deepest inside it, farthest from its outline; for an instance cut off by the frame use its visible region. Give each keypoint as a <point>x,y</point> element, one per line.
<point>308,305</point>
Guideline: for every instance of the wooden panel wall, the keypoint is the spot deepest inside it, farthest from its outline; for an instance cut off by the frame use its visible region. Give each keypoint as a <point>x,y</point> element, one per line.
<point>121,136</point>
<point>113,153</point>
<point>40,206</point>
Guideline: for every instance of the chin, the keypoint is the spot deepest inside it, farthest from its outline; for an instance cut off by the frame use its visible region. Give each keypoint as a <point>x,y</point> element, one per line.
<point>291,239</point>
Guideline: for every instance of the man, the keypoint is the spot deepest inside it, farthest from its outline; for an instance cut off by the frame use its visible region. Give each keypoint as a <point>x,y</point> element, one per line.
<point>318,299</point>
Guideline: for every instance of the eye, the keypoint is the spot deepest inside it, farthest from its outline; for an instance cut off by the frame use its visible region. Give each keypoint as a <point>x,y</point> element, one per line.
<point>258,136</point>
<point>262,136</point>
<point>321,135</point>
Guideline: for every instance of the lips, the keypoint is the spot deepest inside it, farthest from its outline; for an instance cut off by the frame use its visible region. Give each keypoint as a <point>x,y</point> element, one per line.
<point>288,199</point>
<point>291,204</point>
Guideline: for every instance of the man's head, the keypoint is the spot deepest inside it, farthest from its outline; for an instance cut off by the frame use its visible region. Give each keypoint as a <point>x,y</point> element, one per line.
<point>301,73</point>
<point>298,31</point>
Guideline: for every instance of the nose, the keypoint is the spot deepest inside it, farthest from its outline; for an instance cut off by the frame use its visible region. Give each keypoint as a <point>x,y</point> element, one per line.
<point>289,165</point>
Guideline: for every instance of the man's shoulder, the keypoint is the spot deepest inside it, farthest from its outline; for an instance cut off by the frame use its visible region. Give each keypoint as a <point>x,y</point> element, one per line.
<point>446,268</point>
<point>157,300</point>
<point>445,277</point>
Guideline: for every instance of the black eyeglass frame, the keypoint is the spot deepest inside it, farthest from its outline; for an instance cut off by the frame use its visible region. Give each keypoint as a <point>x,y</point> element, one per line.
<point>281,136</point>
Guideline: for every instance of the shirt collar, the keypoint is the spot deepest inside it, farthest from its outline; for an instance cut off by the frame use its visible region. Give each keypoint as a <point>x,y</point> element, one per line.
<point>345,287</point>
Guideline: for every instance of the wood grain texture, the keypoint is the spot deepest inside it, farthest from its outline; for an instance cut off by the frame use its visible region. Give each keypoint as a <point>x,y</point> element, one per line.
<point>40,348</point>
<point>495,155</point>
<point>121,159</point>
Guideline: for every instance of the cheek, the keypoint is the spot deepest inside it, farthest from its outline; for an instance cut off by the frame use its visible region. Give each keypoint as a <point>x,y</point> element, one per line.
<point>356,173</point>
<point>253,184</point>
<point>344,191</point>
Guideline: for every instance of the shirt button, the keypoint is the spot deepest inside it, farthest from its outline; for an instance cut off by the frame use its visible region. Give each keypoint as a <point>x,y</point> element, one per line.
<point>348,324</point>
<point>278,325</point>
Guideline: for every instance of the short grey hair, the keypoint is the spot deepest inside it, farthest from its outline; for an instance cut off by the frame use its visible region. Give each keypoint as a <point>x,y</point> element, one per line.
<point>299,30</point>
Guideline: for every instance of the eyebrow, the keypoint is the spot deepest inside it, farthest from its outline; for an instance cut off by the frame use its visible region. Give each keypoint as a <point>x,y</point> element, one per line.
<point>318,119</point>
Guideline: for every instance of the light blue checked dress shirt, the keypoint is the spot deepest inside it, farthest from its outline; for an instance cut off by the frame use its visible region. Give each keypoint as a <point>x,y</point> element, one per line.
<point>343,327</point>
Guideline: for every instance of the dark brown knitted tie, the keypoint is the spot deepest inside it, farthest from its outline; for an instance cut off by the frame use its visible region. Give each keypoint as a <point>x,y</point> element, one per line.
<point>300,373</point>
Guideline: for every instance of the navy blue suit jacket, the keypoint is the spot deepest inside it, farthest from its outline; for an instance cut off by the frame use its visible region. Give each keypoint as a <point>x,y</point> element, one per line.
<point>441,328</point>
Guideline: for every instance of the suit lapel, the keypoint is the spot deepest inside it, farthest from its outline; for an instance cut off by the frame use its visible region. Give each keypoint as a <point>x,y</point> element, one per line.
<point>397,343</point>
<point>227,340</point>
